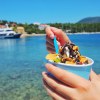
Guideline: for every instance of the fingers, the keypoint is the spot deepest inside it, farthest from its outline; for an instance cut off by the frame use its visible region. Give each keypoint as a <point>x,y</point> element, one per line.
<point>54,95</point>
<point>99,75</point>
<point>49,40</point>
<point>58,44</point>
<point>49,32</point>
<point>93,76</point>
<point>67,77</point>
<point>60,35</point>
<point>57,32</point>
<point>51,50</point>
<point>58,87</point>
<point>50,44</point>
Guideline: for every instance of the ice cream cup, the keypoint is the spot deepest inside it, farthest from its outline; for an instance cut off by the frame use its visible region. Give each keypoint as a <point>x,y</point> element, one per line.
<point>81,70</point>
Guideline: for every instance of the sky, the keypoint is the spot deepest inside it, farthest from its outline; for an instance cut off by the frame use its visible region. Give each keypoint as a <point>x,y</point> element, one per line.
<point>48,11</point>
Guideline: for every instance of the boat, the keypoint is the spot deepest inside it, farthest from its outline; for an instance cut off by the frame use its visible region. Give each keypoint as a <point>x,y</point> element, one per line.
<point>8,33</point>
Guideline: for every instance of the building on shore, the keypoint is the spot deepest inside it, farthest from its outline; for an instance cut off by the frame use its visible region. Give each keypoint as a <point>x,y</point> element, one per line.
<point>20,29</point>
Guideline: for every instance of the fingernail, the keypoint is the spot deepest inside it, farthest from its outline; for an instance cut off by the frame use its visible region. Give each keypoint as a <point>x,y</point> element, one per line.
<point>43,73</point>
<point>58,43</point>
<point>52,36</point>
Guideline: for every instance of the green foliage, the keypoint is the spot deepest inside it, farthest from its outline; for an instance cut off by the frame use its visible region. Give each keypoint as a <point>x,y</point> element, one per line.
<point>74,27</point>
<point>31,28</point>
<point>15,28</point>
<point>78,27</point>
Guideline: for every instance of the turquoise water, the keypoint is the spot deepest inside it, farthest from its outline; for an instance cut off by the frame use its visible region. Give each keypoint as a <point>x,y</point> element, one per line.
<point>22,61</point>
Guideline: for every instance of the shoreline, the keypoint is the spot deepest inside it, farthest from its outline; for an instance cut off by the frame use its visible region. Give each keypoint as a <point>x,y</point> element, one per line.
<point>82,33</point>
<point>24,35</point>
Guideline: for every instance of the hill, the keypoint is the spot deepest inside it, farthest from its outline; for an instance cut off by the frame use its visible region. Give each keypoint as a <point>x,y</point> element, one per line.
<point>90,20</point>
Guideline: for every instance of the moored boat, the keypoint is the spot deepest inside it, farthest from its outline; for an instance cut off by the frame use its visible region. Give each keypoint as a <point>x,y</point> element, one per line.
<point>8,33</point>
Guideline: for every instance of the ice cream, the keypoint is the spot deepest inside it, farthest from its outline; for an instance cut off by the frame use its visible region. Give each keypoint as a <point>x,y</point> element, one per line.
<point>69,58</point>
<point>68,54</point>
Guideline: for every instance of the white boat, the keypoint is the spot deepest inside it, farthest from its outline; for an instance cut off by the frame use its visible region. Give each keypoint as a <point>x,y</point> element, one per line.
<point>8,33</point>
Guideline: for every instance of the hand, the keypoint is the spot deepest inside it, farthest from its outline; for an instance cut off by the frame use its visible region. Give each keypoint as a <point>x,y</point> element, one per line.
<point>60,35</point>
<point>69,86</point>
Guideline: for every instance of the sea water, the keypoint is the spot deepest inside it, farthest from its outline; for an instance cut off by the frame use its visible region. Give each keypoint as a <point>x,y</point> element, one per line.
<point>23,60</point>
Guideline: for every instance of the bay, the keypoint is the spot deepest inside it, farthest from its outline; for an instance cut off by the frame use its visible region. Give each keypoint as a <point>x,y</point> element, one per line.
<point>23,60</point>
